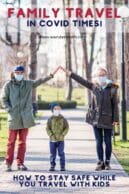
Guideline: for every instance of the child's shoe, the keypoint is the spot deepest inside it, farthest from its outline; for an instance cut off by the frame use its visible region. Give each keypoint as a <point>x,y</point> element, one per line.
<point>52,168</point>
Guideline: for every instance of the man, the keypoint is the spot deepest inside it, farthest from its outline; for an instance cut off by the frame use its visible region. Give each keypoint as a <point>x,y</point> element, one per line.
<point>103,112</point>
<point>17,101</point>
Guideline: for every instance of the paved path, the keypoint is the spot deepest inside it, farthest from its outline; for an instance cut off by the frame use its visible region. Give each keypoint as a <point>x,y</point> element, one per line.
<point>81,161</point>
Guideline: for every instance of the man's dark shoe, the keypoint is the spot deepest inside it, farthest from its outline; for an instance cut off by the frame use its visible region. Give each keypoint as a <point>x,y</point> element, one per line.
<point>8,168</point>
<point>52,168</point>
<point>22,167</point>
<point>107,165</point>
<point>62,169</point>
<point>100,166</point>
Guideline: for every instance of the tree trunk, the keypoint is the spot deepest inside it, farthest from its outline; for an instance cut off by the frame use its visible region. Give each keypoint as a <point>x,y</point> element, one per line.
<point>110,46</point>
<point>68,56</point>
<point>127,69</point>
<point>127,62</point>
<point>33,54</point>
<point>75,56</point>
<point>88,64</point>
<point>69,67</point>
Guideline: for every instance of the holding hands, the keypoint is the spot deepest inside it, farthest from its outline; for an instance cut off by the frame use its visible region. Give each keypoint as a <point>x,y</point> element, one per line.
<point>68,73</point>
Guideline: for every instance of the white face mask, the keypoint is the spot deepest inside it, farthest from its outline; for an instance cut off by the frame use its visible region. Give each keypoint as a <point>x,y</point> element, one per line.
<point>18,77</point>
<point>56,113</point>
<point>101,80</point>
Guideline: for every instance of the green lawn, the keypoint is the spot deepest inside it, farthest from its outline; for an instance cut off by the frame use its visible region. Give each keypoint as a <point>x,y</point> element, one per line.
<point>51,94</point>
<point>121,149</point>
<point>3,134</point>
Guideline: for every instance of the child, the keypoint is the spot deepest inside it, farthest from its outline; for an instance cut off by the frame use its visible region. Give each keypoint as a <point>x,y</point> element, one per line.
<point>57,128</point>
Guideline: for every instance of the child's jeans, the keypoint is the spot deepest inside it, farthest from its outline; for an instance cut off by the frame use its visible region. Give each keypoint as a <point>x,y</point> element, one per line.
<point>54,147</point>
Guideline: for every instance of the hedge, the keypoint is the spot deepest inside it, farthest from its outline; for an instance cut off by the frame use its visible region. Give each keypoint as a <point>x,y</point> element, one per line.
<point>64,104</point>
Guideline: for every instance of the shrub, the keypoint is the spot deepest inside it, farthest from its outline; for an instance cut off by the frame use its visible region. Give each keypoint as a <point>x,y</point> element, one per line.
<point>64,104</point>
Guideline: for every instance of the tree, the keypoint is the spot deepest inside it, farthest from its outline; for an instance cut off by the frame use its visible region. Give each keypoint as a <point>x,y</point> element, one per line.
<point>127,60</point>
<point>68,57</point>
<point>127,67</point>
<point>16,52</point>
<point>88,63</point>
<point>75,55</point>
<point>34,47</point>
<point>111,45</point>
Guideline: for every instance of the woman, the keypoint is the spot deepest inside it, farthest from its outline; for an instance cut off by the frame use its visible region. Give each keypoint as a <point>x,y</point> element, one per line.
<point>104,108</point>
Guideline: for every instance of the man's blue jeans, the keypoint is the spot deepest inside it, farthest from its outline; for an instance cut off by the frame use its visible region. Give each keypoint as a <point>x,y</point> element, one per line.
<point>106,135</point>
<point>54,148</point>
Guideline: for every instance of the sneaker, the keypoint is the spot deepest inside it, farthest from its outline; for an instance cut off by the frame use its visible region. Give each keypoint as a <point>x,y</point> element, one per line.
<point>22,167</point>
<point>107,165</point>
<point>62,169</point>
<point>100,166</point>
<point>52,168</point>
<point>8,168</point>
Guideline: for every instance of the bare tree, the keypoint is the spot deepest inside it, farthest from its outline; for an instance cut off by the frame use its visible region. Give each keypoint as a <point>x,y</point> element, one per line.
<point>17,52</point>
<point>75,55</point>
<point>111,45</point>
<point>68,57</point>
<point>34,47</point>
<point>88,63</point>
<point>35,41</point>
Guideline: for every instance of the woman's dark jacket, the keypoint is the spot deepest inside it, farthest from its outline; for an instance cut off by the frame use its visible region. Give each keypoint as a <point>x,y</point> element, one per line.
<point>104,102</point>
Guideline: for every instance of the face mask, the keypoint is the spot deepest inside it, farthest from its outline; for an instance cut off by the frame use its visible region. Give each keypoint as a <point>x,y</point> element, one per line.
<point>56,113</point>
<point>18,77</point>
<point>102,80</point>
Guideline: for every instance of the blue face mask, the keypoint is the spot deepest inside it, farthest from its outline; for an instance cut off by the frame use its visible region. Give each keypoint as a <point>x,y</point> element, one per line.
<point>101,80</point>
<point>18,77</point>
<point>56,113</point>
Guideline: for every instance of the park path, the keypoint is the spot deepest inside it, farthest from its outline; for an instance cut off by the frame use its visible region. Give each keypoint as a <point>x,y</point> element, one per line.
<point>81,161</point>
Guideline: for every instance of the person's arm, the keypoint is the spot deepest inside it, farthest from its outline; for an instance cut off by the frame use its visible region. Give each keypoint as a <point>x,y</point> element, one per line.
<point>5,98</point>
<point>82,81</point>
<point>40,81</point>
<point>115,111</point>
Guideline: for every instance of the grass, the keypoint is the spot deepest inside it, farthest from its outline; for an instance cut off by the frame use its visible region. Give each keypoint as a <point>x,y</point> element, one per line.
<point>50,94</point>
<point>3,134</point>
<point>121,149</point>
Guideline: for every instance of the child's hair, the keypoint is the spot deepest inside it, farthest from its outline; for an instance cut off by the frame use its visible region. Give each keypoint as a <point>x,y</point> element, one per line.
<point>53,104</point>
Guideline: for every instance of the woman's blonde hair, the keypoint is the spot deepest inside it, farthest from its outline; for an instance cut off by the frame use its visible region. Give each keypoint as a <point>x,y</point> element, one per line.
<point>98,68</point>
<point>95,72</point>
